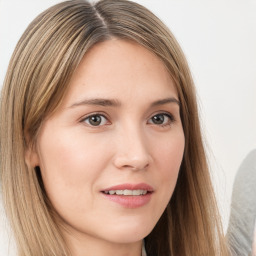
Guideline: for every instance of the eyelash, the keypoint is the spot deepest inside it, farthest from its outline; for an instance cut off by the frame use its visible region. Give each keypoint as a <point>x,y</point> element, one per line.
<point>170,120</point>
<point>170,117</point>
<point>94,115</point>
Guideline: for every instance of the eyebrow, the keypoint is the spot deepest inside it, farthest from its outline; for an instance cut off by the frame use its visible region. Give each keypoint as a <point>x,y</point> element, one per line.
<point>117,103</point>
<point>165,101</point>
<point>98,102</point>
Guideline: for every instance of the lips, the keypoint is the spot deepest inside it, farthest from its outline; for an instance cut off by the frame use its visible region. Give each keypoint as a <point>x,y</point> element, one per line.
<point>126,192</point>
<point>129,195</point>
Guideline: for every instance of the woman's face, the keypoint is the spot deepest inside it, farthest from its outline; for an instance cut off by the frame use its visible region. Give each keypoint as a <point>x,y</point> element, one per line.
<point>110,155</point>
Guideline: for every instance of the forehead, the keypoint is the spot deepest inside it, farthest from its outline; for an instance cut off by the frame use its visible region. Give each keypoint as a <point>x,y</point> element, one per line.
<point>118,68</point>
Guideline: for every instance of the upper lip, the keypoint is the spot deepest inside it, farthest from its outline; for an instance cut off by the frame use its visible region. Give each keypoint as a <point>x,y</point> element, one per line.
<point>128,186</point>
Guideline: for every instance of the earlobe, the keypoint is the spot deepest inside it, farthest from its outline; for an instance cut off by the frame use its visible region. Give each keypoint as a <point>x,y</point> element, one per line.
<point>31,157</point>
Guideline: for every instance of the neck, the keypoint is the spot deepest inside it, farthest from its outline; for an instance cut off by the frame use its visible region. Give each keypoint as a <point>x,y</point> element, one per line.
<point>84,245</point>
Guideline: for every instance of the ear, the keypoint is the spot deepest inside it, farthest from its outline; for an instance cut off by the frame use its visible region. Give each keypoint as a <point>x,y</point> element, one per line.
<point>31,156</point>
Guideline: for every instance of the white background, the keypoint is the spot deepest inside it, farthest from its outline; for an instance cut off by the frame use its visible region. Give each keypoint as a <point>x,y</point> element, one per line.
<point>219,40</point>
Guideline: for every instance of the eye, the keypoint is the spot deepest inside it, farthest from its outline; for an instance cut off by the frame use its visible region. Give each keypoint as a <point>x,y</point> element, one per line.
<point>161,119</point>
<point>95,120</point>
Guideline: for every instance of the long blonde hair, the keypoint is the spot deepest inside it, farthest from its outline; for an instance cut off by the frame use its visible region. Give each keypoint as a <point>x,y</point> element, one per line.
<point>37,78</point>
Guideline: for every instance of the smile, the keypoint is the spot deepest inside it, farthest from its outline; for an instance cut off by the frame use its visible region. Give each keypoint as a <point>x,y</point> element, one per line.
<point>127,192</point>
<point>129,195</point>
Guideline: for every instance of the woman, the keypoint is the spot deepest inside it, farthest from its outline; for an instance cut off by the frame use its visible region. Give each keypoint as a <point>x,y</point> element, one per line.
<point>100,138</point>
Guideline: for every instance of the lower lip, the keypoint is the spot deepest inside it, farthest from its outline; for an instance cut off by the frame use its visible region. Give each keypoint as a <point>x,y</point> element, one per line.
<point>129,201</point>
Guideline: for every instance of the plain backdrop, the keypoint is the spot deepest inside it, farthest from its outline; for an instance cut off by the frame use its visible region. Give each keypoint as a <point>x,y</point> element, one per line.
<point>219,41</point>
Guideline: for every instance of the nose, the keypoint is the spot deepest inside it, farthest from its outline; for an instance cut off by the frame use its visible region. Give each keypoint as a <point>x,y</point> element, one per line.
<point>132,151</point>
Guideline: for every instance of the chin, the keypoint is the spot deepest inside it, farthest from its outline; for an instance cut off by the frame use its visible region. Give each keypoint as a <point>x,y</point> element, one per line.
<point>129,233</point>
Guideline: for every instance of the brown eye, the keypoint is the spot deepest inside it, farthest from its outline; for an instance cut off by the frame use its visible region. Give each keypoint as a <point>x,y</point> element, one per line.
<point>161,119</point>
<point>158,119</point>
<point>95,120</point>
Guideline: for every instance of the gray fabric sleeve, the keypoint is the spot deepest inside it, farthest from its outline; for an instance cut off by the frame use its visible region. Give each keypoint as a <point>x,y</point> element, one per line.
<point>243,208</point>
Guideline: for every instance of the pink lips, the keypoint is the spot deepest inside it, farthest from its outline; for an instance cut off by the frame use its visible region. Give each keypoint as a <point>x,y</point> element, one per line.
<point>129,201</point>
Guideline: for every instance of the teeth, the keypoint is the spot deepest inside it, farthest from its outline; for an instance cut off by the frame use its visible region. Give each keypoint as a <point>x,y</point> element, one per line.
<point>119,192</point>
<point>137,192</point>
<point>127,192</point>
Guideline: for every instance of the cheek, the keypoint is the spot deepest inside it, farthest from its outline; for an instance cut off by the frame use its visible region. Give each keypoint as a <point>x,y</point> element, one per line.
<point>70,153</point>
<point>169,155</point>
<point>70,165</point>
<point>168,158</point>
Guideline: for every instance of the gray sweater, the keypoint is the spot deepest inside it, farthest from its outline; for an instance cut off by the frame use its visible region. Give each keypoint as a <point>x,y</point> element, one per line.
<point>243,208</point>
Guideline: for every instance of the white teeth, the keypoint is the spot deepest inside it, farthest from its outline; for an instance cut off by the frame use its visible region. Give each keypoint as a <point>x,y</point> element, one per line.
<point>144,192</point>
<point>119,192</point>
<point>127,192</point>
<point>136,192</point>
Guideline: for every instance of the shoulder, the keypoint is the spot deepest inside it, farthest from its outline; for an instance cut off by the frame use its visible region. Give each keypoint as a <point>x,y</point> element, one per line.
<point>243,207</point>
<point>244,189</point>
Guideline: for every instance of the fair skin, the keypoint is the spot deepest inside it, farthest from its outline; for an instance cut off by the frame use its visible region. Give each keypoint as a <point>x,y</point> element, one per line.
<point>119,124</point>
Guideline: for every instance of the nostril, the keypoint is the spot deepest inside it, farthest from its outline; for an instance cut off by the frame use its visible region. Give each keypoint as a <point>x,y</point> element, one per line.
<point>135,166</point>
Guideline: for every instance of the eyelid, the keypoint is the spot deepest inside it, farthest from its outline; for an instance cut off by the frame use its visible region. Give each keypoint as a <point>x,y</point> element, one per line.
<point>82,120</point>
<point>165,113</point>
<point>104,115</point>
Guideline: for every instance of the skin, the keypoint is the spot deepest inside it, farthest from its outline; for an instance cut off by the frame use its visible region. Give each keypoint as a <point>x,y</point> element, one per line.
<point>78,160</point>
<point>254,243</point>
